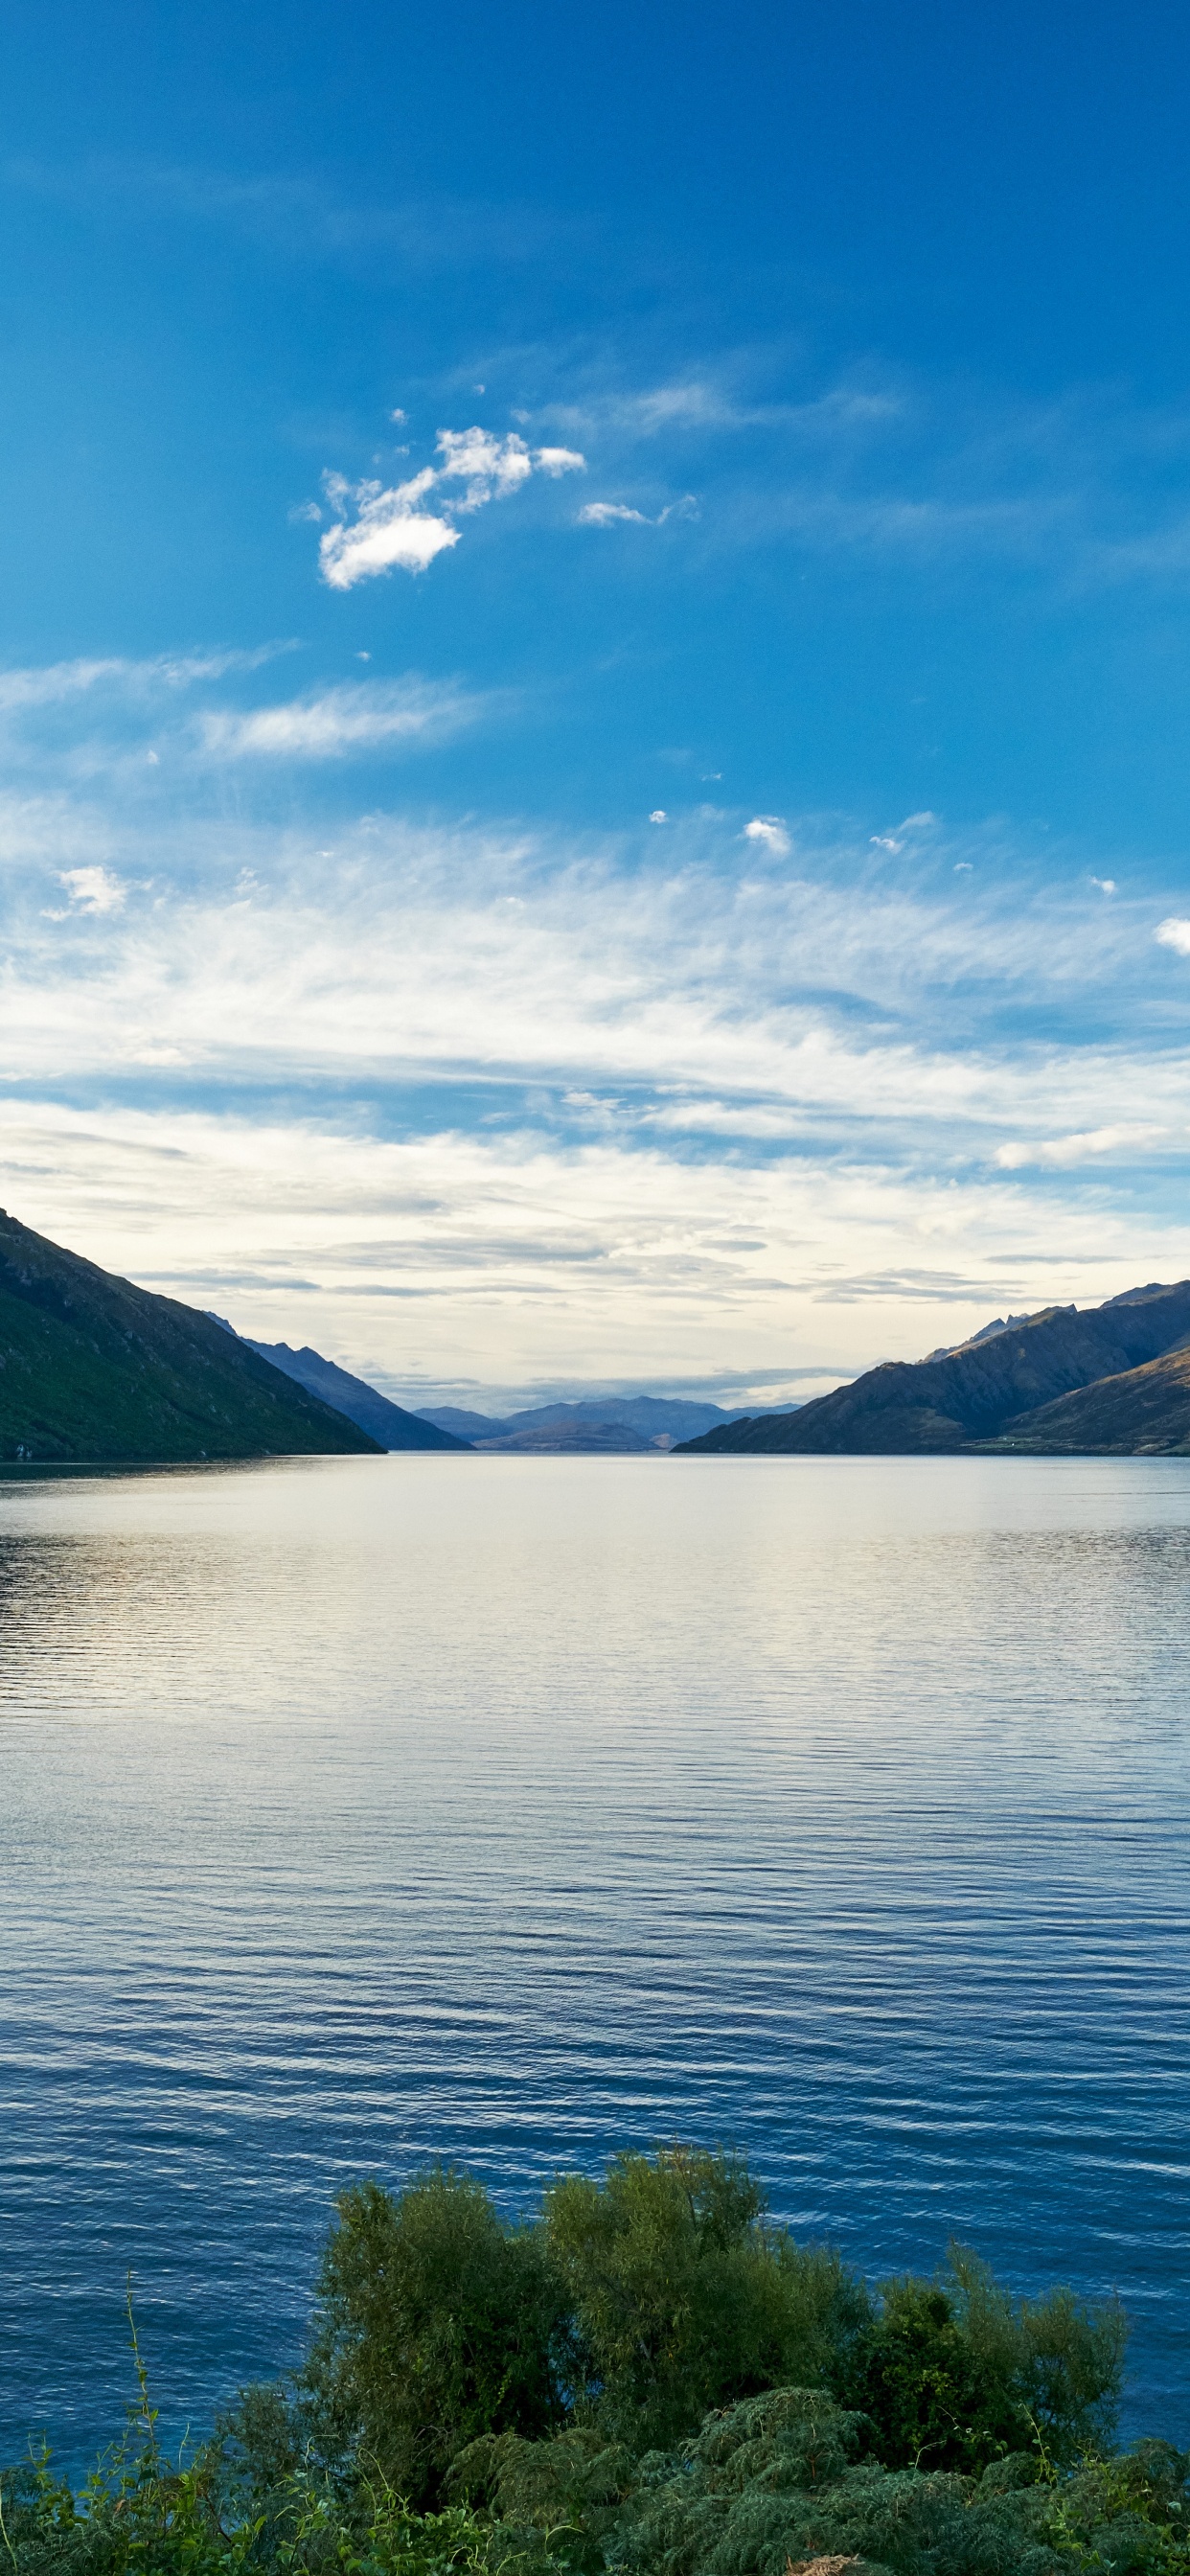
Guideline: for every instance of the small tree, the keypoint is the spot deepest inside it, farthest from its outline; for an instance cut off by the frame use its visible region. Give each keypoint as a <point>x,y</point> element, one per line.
<point>682,2298</point>
<point>435,2324</point>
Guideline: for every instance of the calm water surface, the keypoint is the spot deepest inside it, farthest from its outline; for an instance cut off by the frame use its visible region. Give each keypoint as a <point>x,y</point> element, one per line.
<point>357,1811</point>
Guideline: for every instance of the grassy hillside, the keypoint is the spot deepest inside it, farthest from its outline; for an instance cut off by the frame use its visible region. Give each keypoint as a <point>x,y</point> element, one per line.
<point>1013,1383</point>
<point>93,1368</point>
<point>1142,1413</point>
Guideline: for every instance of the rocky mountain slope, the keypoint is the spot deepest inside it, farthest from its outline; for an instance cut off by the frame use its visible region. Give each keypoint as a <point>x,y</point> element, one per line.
<point>388,1424</point>
<point>1111,1378</point>
<point>93,1368</point>
<point>1142,1412</point>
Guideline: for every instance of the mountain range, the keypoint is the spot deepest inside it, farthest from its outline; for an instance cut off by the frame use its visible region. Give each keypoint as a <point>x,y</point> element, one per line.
<point>591,1427</point>
<point>1111,1380</point>
<point>93,1368</point>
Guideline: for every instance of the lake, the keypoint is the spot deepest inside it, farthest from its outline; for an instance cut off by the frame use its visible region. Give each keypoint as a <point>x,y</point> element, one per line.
<point>360,1811</point>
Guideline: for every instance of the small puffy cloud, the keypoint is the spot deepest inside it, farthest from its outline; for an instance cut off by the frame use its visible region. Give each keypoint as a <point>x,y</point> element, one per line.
<point>357,717</point>
<point>769,830</point>
<point>606,514</point>
<point>490,467</point>
<point>305,514</point>
<point>378,530</point>
<point>885,841</point>
<point>659,815</point>
<point>92,889</point>
<point>389,531</point>
<point>1175,934</point>
<point>1106,885</point>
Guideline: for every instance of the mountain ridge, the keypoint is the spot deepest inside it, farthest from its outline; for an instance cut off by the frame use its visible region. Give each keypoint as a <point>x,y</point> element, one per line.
<point>93,1368</point>
<point>388,1424</point>
<point>1000,1391</point>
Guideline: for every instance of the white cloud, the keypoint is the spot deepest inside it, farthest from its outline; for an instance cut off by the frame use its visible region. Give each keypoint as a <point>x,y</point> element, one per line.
<point>360,716</point>
<point>490,467</point>
<point>608,514</point>
<point>503,1257</point>
<point>1106,885</point>
<point>92,889</point>
<point>769,830</point>
<point>604,514</point>
<point>1060,1152</point>
<point>389,531</point>
<point>710,1106</point>
<point>659,815</point>
<point>1175,934</point>
<point>378,530</point>
<point>56,683</point>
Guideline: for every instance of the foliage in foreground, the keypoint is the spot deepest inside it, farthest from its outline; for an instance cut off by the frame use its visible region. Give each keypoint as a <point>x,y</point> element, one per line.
<point>649,2380</point>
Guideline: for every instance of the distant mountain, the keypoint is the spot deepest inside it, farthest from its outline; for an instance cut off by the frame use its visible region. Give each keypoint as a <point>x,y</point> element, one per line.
<point>93,1368</point>
<point>574,1440</point>
<point>644,1421</point>
<point>464,1426</point>
<point>1062,1381</point>
<point>387,1424</point>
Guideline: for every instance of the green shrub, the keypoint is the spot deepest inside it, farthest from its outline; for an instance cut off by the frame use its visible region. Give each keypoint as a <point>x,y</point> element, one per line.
<point>434,2323</point>
<point>955,2372</point>
<point>648,2380</point>
<point>682,2298</point>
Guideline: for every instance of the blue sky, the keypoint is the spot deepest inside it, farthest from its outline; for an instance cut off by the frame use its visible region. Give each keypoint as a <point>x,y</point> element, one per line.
<point>593,675</point>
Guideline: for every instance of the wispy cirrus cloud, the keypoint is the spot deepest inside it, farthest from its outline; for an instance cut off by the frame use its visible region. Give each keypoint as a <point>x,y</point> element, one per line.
<point>378,529</point>
<point>329,724</point>
<point>57,683</point>
<point>611,514</point>
<point>1120,1142</point>
<point>548,1095</point>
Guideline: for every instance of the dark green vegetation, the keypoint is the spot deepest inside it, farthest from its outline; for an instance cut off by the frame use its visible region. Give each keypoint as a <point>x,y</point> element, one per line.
<point>648,2379</point>
<point>1114,1381</point>
<point>387,1424</point>
<point>92,1368</point>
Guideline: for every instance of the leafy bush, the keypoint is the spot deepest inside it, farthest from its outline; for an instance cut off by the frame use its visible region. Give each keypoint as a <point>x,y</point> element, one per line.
<point>648,2380</point>
<point>434,2323</point>
<point>955,2373</point>
<point>682,2297</point>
